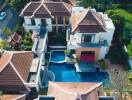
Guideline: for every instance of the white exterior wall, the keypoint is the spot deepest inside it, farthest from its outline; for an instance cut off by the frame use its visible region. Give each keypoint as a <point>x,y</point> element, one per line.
<point>103,52</point>
<point>38,21</point>
<point>27,21</point>
<point>49,23</point>
<point>28,25</point>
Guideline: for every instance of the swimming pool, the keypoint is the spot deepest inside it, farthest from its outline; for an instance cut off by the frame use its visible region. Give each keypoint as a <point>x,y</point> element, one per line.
<point>57,56</point>
<point>67,73</point>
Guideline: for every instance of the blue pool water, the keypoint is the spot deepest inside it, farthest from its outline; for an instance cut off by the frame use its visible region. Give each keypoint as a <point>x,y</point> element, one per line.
<point>57,56</point>
<point>67,73</point>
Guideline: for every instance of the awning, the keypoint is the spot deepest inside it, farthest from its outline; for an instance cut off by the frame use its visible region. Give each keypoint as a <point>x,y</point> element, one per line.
<point>87,56</point>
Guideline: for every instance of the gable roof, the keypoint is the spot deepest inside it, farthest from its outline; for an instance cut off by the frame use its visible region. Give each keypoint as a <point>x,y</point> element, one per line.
<point>42,11</point>
<point>45,9</point>
<point>75,88</point>
<point>58,9</point>
<point>30,8</point>
<point>72,2</point>
<point>16,38</point>
<point>87,21</point>
<point>13,97</point>
<point>19,61</point>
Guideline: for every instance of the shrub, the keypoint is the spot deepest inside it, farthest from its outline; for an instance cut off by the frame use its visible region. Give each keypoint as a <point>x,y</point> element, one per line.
<point>67,52</point>
<point>130,50</point>
<point>3,44</point>
<point>103,65</point>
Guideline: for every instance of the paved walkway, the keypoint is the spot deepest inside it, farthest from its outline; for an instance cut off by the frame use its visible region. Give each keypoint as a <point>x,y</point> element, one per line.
<point>40,41</point>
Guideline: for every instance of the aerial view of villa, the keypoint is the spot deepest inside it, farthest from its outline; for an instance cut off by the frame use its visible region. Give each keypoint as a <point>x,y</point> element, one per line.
<point>65,50</point>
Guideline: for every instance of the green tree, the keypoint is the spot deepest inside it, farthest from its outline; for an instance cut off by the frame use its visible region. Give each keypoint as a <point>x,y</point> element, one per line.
<point>7,32</point>
<point>118,21</point>
<point>3,44</point>
<point>122,21</point>
<point>101,5</point>
<point>117,54</point>
<point>129,48</point>
<point>17,4</point>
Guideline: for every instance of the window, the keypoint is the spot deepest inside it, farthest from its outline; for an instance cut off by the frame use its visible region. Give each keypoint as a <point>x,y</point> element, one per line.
<point>60,20</point>
<point>32,21</point>
<point>53,21</point>
<point>43,22</point>
<point>86,38</point>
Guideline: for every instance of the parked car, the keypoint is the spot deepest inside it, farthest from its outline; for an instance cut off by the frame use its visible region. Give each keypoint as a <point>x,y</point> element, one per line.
<point>3,15</point>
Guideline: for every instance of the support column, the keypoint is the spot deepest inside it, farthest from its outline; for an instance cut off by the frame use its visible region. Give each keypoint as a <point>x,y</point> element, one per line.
<point>64,22</point>
<point>56,22</point>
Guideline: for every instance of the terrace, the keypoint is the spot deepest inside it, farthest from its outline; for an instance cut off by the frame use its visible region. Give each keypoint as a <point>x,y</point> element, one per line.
<point>97,45</point>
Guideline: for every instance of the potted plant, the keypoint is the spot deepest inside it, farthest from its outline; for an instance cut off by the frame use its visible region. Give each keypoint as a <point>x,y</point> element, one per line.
<point>67,52</point>
<point>1,94</point>
<point>103,66</point>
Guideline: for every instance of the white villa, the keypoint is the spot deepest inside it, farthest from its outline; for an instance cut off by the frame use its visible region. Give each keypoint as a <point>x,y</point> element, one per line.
<point>89,33</point>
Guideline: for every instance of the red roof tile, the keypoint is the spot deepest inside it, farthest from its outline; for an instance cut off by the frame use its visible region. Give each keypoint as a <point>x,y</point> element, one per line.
<point>87,21</point>
<point>42,12</point>
<point>16,38</point>
<point>73,90</point>
<point>14,70</point>
<point>47,9</point>
<point>21,61</point>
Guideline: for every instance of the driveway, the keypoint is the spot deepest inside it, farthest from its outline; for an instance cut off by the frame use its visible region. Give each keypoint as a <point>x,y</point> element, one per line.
<point>5,22</point>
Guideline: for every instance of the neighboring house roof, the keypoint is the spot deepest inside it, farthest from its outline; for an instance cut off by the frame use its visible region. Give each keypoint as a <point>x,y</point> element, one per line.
<point>16,39</point>
<point>46,9</point>
<point>13,97</point>
<point>14,70</point>
<point>87,21</point>
<point>69,90</point>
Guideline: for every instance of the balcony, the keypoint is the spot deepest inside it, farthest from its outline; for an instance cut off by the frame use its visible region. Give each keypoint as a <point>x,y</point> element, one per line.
<point>31,27</point>
<point>95,45</point>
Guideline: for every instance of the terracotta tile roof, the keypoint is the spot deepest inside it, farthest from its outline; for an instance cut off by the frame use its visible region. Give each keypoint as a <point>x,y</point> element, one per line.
<point>21,61</point>
<point>82,87</point>
<point>30,8</point>
<point>4,59</point>
<point>42,12</point>
<point>87,21</point>
<point>72,2</point>
<point>11,81</point>
<point>16,38</point>
<point>12,97</point>
<point>58,9</point>
<point>34,9</point>
<point>75,91</point>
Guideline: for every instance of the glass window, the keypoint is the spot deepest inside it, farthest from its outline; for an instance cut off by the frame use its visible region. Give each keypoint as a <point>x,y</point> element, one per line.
<point>86,38</point>
<point>32,21</point>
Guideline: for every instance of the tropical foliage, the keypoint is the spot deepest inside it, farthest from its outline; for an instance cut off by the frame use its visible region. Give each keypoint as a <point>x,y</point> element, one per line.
<point>130,50</point>
<point>3,44</point>
<point>17,4</point>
